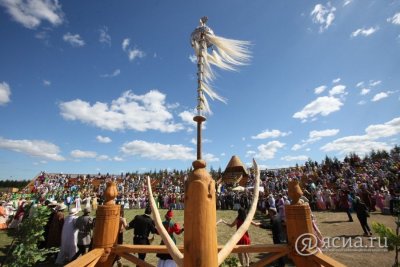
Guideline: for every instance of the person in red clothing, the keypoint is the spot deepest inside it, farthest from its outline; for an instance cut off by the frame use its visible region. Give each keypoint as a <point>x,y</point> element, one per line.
<point>245,240</point>
<point>165,260</point>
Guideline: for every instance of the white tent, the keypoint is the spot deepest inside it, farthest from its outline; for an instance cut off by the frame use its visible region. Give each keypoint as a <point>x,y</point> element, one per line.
<point>238,188</point>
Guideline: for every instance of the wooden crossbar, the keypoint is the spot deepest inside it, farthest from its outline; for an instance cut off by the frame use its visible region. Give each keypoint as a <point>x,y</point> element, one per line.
<point>89,259</point>
<point>325,260</point>
<point>259,248</point>
<point>134,259</point>
<point>269,259</point>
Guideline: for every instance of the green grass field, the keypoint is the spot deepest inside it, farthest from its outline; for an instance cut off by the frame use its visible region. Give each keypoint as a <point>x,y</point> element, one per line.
<point>258,235</point>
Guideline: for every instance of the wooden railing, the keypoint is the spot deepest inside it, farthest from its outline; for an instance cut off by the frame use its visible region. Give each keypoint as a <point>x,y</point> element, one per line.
<point>105,248</point>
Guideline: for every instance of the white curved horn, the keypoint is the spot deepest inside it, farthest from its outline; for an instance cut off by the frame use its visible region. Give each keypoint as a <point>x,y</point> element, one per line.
<point>227,249</point>
<point>171,246</point>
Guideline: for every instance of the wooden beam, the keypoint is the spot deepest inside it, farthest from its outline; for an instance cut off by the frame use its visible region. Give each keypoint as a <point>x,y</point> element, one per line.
<point>269,259</point>
<point>259,248</point>
<point>325,260</point>
<point>134,259</point>
<point>93,263</point>
<point>85,260</point>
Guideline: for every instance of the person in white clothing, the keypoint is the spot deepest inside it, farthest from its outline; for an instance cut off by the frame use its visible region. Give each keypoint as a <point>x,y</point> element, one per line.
<point>69,239</point>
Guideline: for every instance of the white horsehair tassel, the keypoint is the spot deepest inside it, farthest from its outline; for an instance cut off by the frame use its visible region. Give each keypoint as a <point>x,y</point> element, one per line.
<point>227,55</point>
<point>234,52</point>
<point>205,106</point>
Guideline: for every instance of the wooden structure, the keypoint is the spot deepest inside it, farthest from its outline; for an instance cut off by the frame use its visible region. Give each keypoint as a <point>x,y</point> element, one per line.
<point>106,230</point>
<point>200,247</point>
<point>235,172</point>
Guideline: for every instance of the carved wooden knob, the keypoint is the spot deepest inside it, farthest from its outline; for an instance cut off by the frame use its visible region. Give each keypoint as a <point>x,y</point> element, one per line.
<point>111,193</point>
<point>294,191</point>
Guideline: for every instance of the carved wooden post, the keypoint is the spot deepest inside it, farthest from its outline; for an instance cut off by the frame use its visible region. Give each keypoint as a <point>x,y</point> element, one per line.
<point>299,226</point>
<point>107,226</point>
<point>200,241</point>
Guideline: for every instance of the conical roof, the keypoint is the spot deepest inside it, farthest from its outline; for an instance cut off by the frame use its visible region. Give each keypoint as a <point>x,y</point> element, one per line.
<point>235,165</point>
<point>235,171</point>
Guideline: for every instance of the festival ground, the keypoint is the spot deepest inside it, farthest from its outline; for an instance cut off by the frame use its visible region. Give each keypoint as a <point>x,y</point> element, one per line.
<point>333,224</point>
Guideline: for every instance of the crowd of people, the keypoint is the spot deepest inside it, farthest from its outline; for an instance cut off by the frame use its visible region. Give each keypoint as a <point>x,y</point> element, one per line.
<point>352,185</point>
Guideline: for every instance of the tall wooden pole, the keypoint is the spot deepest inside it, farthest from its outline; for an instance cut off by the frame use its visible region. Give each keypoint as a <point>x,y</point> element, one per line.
<point>199,119</point>
<point>200,241</point>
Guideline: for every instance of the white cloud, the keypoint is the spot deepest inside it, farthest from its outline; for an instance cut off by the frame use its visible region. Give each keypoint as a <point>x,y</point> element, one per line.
<point>336,80</point>
<point>133,53</point>
<point>125,43</point>
<point>268,151</point>
<point>250,153</point>
<point>35,148</point>
<point>347,2</point>
<point>5,93</point>
<point>323,15</point>
<point>320,89</point>
<point>315,136</point>
<point>193,59</point>
<point>362,102</point>
<point>104,37</point>
<point>356,144</point>
<point>83,154</point>
<point>118,158</point>
<point>395,19</point>
<point>103,139</point>
<point>364,32</point>
<point>387,129</point>
<point>46,82</point>
<point>73,39</point>
<point>130,111</point>
<point>223,154</point>
<point>318,135</point>
<point>43,35</point>
<point>360,84</point>
<point>31,13</point>
<point>374,83</point>
<point>379,96</point>
<point>270,134</point>
<point>337,90</point>
<point>365,91</point>
<point>297,147</point>
<point>115,73</point>
<point>362,144</point>
<point>103,158</point>
<point>210,158</point>
<point>324,106</point>
<point>157,151</point>
<point>295,158</point>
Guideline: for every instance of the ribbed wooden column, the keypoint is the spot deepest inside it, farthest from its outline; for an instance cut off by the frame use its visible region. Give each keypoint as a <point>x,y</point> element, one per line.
<point>107,226</point>
<point>200,241</point>
<point>298,222</point>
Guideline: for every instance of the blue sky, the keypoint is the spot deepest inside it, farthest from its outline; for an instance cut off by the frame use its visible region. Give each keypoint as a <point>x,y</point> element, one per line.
<point>109,86</point>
